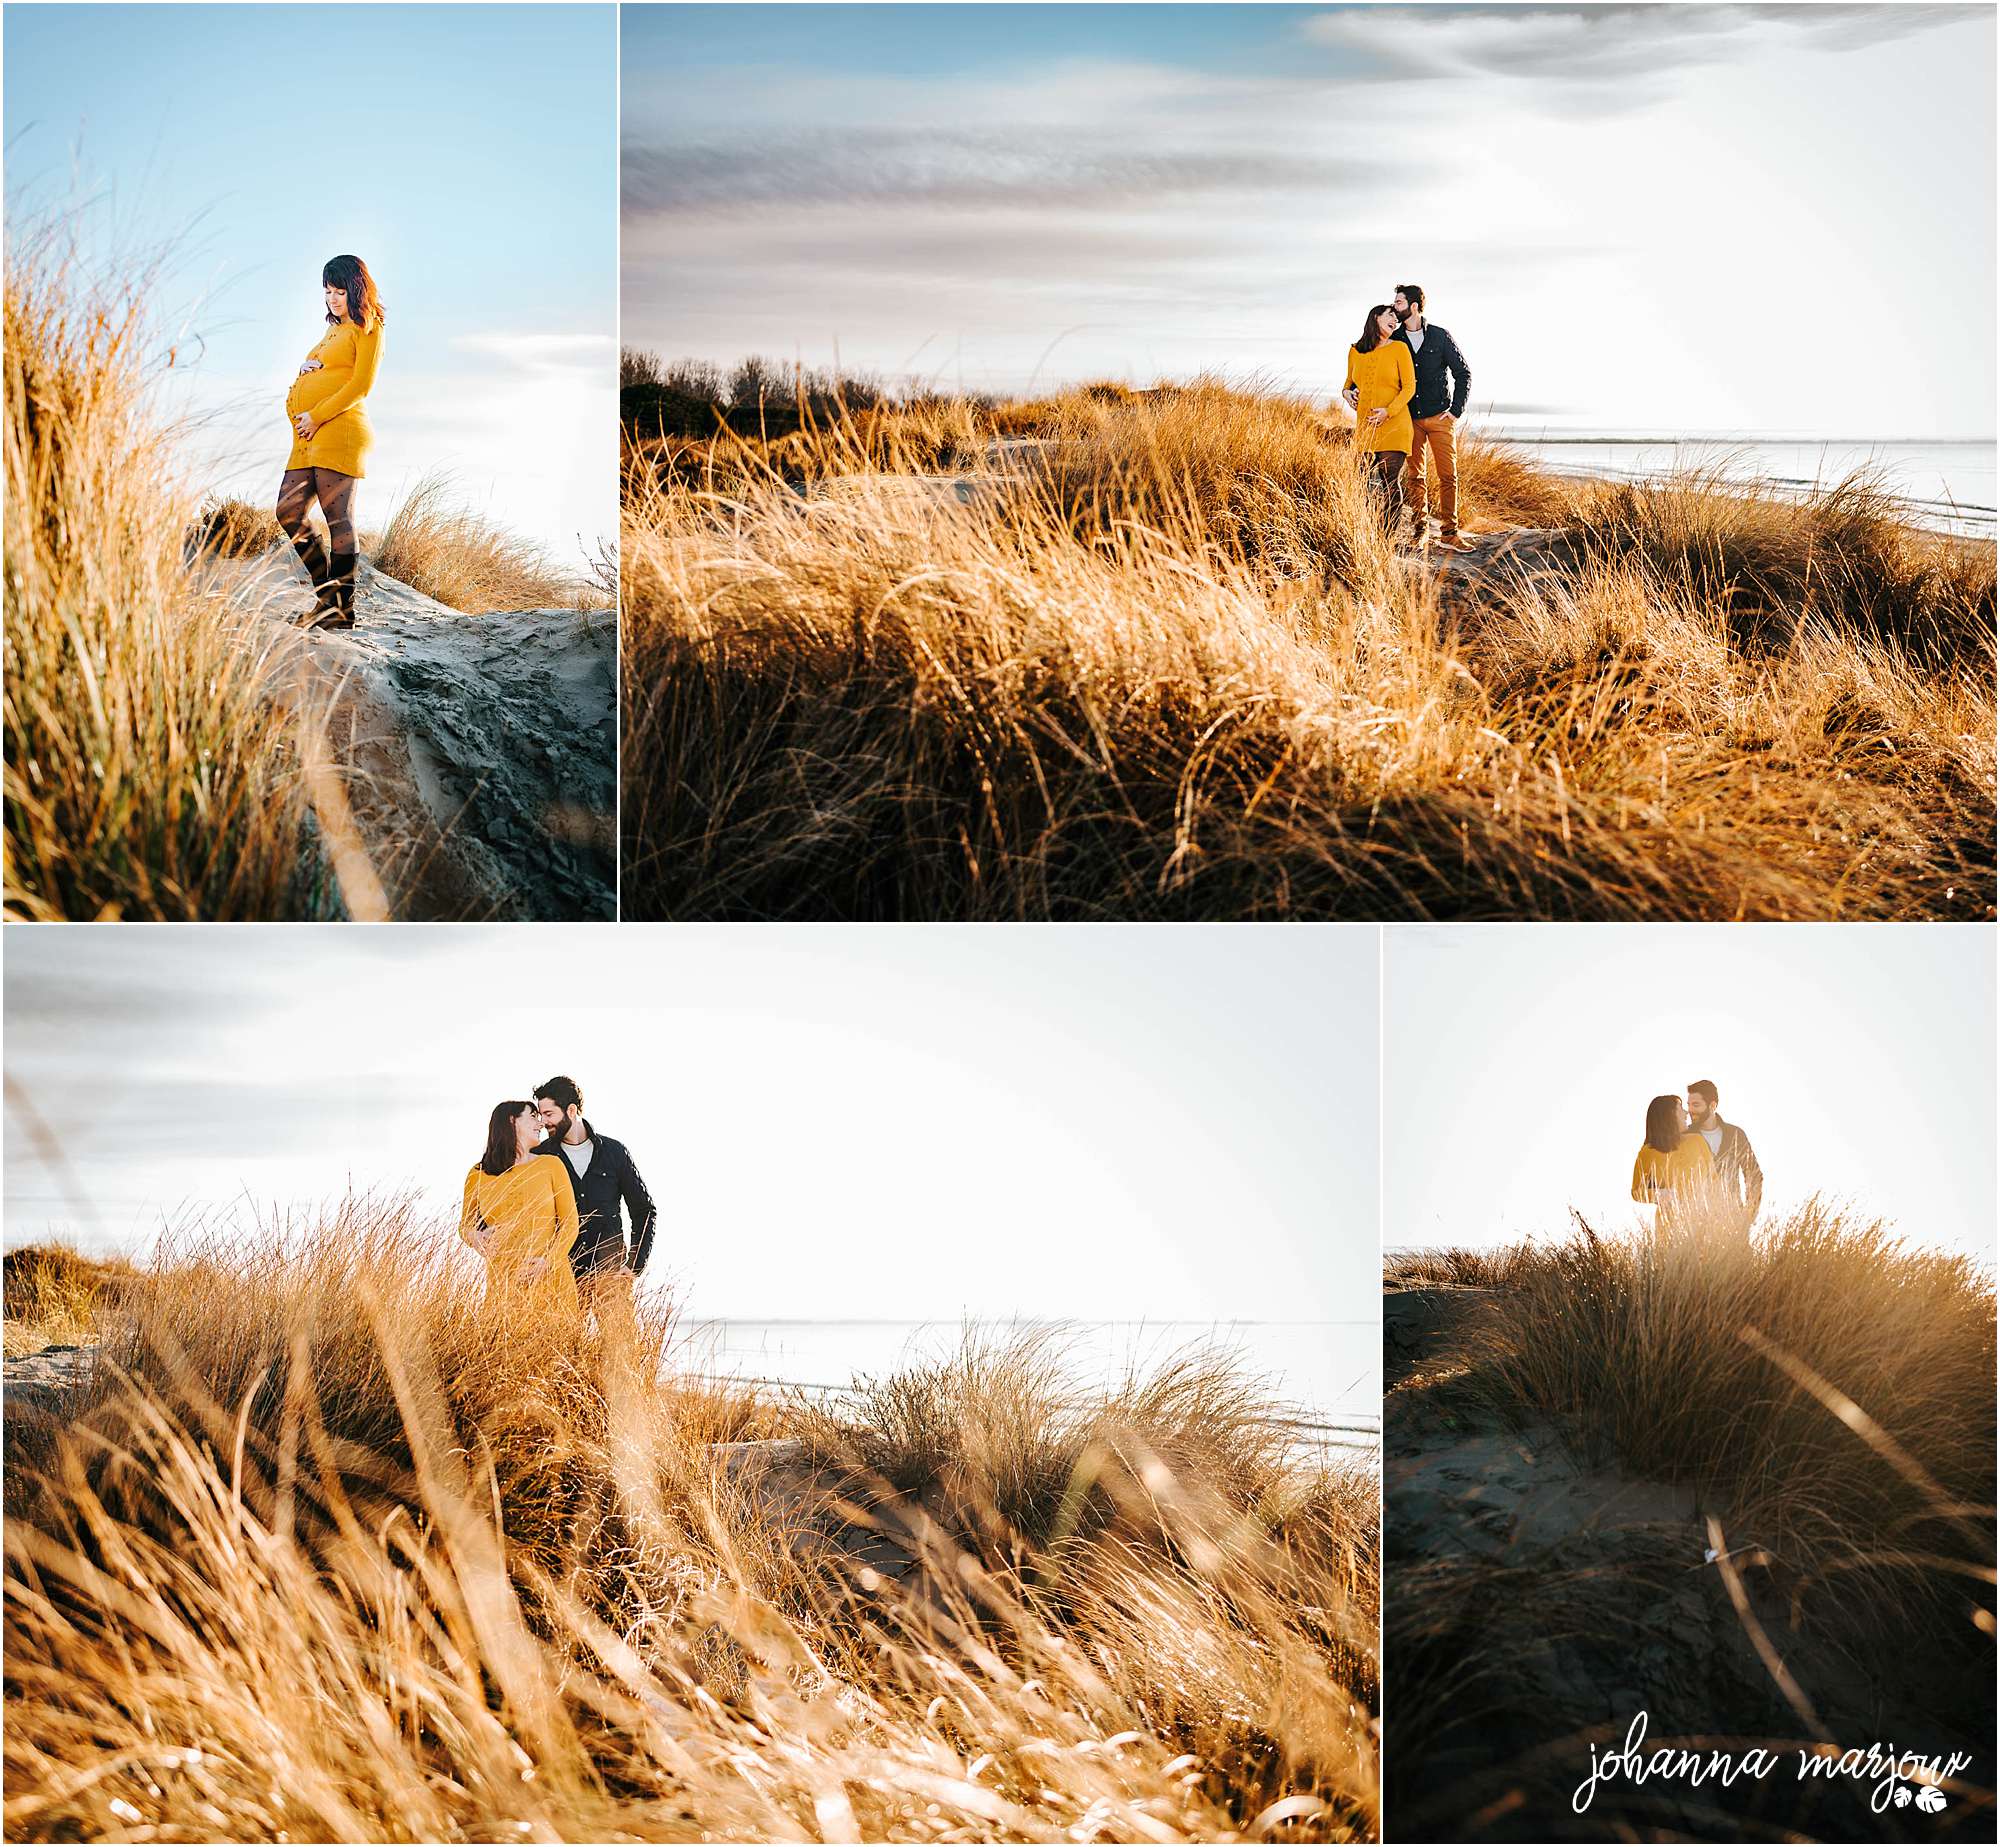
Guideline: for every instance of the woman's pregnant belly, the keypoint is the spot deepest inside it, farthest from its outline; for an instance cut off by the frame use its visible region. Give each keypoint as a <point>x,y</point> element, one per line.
<point>311,389</point>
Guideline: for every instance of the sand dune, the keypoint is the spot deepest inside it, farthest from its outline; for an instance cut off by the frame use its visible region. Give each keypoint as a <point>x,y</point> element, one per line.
<point>479,750</point>
<point>1544,1591</point>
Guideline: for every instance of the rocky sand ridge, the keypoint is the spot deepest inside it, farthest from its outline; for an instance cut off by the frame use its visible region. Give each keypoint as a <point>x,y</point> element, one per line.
<point>477,754</point>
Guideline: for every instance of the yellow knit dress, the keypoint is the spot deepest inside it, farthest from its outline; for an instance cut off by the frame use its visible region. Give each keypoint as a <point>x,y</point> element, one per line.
<point>342,434</point>
<point>531,1210</point>
<point>1388,381</point>
<point>1681,1184</point>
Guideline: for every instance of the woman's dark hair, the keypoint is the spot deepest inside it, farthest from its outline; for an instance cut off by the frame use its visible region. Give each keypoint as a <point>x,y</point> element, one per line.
<point>1663,1124</point>
<point>364,300</point>
<point>499,1155</point>
<point>1371,335</point>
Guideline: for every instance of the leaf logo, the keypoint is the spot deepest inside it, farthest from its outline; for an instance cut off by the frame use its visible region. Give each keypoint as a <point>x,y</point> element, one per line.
<point>1930,1798</point>
<point>1902,1795</point>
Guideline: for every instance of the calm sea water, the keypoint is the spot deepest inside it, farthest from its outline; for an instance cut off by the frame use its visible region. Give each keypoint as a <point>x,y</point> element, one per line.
<point>1327,1371</point>
<point>1947,485</point>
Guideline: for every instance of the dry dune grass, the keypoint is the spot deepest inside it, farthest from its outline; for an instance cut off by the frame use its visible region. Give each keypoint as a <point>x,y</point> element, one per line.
<point>149,772</point>
<point>1826,1395</point>
<point>227,527</point>
<point>1450,1268</point>
<point>1697,1362</point>
<point>1150,656</point>
<point>463,560</point>
<point>1770,565</point>
<point>56,1295</point>
<point>335,1555</point>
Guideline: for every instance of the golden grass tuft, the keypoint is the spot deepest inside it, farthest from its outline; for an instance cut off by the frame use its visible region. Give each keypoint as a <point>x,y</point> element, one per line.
<point>1149,655</point>
<point>227,527</point>
<point>148,769</point>
<point>58,1296</point>
<point>1449,1269</point>
<point>1661,1350</point>
<point>330,1551</point>
<point>1774,565</point>
<point>460,558</point>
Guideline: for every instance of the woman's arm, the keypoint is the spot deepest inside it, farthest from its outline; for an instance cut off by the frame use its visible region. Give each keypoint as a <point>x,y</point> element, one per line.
<point>367,356</point>
<point>1642,1189</point>
<point>471,1226</point>
<point>566,1219</point>
<point>1406,377</point>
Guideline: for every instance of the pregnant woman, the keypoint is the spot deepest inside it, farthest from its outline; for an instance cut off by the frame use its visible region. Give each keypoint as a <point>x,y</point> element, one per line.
<point>331,437</point>
<point>520,1215</point>
<point>1382,378</point>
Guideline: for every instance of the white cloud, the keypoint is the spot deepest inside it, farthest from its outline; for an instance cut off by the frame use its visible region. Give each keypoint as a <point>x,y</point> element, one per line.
<point>541,352</point>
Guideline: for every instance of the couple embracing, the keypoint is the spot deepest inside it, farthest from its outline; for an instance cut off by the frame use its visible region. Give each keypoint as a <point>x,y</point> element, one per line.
<point>1700,1171</point>
<point>1408,385</point>
<point>542,1207</point>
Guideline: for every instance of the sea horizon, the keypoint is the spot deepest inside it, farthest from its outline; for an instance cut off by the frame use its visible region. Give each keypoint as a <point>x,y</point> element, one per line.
<point>1329,1371</point>
<point>1326,1369</point>
<point>1946,483</point>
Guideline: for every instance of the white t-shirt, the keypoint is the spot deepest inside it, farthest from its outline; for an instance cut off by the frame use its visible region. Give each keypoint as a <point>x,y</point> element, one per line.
<point>1415,336</point>
<point>1713,1137</point>
<point>579,1154</point>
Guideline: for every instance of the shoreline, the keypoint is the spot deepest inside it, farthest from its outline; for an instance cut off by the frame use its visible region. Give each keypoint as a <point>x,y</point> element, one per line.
<point>1965,518</point>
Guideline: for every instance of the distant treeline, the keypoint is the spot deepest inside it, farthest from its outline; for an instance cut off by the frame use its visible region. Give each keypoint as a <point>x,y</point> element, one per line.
<point>695,397</point>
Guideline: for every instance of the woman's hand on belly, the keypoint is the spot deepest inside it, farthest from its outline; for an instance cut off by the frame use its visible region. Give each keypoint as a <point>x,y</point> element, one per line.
<point>311,388</point>
<point>305,426</point>
<point>311,365</point>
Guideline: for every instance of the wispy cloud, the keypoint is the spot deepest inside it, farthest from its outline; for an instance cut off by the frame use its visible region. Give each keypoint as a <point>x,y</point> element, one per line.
<point>1112,199</point>
<point>1595,57</point>
<point>965,170</point>
<point>1160,211</point>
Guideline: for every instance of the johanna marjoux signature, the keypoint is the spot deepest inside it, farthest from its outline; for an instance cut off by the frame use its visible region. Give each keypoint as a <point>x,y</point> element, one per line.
<point>1899,1778</point>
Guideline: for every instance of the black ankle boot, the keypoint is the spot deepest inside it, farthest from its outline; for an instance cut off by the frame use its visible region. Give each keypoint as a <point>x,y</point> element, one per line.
<point>314,558</point>
<point>342,578</point>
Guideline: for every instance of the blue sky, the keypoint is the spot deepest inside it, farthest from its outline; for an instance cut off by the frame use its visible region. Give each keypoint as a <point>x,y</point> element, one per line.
<point>1615,209</point>
<point>947,41</point>
<point>839,1121</point>
<point>1519,1060</point>
<point>467,153</point>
